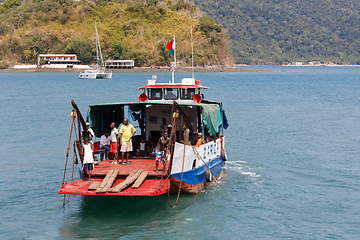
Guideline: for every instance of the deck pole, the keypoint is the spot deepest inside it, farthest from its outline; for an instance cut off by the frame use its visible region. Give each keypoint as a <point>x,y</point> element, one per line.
<point>73,116</point>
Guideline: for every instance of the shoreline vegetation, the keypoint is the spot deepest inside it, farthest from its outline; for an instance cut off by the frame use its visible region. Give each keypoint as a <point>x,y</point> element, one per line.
<point>144,69</point>
<point>234,68</point>
<point>127,30</point>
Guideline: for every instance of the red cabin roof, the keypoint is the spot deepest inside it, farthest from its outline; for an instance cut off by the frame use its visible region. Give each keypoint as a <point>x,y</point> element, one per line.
<point>181,86</point>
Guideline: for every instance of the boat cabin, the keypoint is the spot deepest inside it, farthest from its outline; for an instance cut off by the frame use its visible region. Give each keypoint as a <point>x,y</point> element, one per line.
<point>156,106</point>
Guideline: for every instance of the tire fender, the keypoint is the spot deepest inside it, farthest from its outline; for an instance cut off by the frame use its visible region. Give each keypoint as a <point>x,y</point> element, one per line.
<point>223,155</point>
<point>208,175</point>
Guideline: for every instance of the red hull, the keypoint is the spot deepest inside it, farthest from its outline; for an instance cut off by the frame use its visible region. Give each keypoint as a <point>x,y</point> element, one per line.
<point>151,187</point>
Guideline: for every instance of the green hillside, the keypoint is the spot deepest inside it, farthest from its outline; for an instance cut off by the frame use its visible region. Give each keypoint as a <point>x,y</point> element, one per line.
<point>128,29</point>
<point>279,31</point>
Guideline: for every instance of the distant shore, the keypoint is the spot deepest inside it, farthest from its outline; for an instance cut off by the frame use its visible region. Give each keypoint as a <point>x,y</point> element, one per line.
<point>303,65</point>
<point>142,69</point>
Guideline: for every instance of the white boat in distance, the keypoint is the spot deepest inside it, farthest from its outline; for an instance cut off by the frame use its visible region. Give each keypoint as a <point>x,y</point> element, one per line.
<point>99,72</point>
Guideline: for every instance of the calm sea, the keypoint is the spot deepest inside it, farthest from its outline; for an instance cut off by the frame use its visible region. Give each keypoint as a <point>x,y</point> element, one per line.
<point>293,169</point>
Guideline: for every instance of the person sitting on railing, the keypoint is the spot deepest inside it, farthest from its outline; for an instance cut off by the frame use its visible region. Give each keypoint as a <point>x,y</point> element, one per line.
<point>199,141</point>
<point>105,144</point>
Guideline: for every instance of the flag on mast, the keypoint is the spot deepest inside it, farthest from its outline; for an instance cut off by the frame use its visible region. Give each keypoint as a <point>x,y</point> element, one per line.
<point>171,47</point>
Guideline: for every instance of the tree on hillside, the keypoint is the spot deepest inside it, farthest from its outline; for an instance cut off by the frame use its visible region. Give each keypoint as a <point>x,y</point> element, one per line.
<point>81,47</point>
<point>115,50</point>
<point>27,55</point>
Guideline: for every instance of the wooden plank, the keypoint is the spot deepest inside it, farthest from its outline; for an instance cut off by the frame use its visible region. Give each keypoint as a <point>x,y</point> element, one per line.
<point>94,185</point>
<point>110,179</point>
<point>103,183</point>
<point>140,179</point>
<point>132,173</point>
<point>126,182</point>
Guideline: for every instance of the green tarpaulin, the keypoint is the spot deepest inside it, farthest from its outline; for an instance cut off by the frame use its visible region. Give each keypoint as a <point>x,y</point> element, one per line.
<point>211,117</point>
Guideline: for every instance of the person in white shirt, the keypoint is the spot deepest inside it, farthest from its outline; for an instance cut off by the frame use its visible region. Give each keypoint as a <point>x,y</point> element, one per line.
<point>91,132</point>
<point>105,144</point>
<point>88,162</point>
<point>113,142</point>
<point>142,148</point>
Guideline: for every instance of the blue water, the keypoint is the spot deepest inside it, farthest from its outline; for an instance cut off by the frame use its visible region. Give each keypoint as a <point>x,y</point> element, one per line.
<point>293,169</point>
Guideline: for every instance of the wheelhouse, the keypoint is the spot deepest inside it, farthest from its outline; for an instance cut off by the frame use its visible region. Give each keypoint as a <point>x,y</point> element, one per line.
<point>188,90</point>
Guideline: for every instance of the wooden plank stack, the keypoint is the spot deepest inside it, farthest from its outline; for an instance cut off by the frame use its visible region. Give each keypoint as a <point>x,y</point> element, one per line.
<point>108,181</point>
<point>137,175</point>
<point>128,181</point>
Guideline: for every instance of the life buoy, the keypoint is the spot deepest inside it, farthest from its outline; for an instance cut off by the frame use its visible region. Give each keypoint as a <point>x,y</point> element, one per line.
<point>208,175</point>
<point>223,155</point>
<point>142,97</point>
<point>197,98</point>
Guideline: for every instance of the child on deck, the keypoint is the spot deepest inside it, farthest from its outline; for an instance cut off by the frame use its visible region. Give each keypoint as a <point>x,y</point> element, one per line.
<point>142,148</point>
<point>88,163</point>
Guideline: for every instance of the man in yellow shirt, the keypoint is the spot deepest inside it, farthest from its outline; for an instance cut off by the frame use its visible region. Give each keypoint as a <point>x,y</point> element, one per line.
<point>126,132</point>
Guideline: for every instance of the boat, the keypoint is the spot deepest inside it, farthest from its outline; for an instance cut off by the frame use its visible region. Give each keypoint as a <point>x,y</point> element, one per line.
<point>99,72</point>
<point>189,169</point>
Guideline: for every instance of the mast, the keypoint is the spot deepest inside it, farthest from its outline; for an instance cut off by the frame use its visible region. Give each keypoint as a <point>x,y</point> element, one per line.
<point>98,51</point>
<point>192,54</point>
<point>174,51</point>
<point>173,69</point>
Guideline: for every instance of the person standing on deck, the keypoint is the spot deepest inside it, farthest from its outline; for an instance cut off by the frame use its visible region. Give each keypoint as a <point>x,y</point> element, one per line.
<point>88,158</point>
<point>186,135</point>
<point>127,131</point>
<point>160,150</point>
<point>113,142</point>
<point>163,127</point>
<point>90,131</point>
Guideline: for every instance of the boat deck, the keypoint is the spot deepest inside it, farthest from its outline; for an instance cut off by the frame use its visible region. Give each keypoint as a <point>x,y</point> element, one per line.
<point>150,187</point>
<point>148,164</point>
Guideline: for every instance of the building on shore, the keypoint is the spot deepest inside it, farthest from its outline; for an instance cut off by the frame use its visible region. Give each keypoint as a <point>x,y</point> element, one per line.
<point>69,59</point>
<point>117,64</point>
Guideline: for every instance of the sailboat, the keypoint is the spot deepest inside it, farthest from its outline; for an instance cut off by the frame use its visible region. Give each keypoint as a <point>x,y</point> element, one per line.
<point>99,72</point>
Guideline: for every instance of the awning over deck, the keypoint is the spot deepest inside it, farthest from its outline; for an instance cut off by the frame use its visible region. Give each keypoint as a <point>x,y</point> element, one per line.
<point>211,112</point>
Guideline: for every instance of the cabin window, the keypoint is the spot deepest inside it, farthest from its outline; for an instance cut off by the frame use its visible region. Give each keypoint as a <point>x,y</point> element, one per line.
<point>155,93</point>
<point>171,93</point>
<point>187,93</point>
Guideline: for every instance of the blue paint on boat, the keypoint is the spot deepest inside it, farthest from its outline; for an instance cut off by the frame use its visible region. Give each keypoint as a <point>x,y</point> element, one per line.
<point>197,175</point>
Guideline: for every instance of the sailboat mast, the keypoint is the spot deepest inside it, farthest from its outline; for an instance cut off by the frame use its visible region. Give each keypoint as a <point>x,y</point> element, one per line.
<point>97,50</point>
<point>192,54</point>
